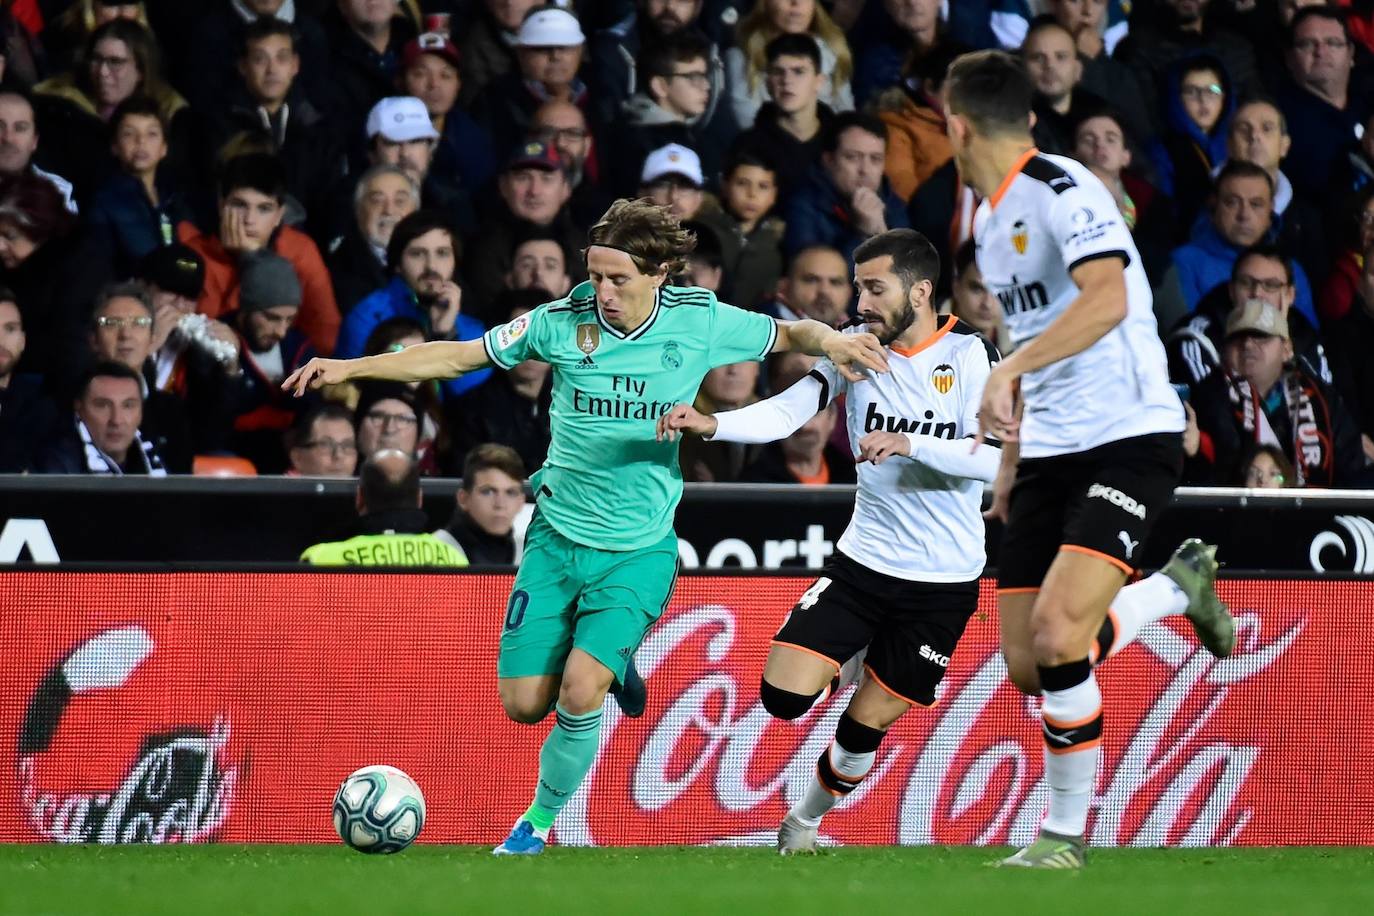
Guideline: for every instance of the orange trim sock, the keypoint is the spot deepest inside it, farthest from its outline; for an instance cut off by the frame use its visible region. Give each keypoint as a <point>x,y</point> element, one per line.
<point>840,769</point>
<point>1071,716</point>
<point>1140,603</point>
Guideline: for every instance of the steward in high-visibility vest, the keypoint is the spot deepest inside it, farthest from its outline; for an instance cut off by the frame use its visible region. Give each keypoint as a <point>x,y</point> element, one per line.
<point>391,525</point>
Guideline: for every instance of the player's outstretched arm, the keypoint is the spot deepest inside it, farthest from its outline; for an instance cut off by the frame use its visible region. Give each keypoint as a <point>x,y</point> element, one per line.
<point>763,421</point>
<point>440,359</point>
<point>851,353</point>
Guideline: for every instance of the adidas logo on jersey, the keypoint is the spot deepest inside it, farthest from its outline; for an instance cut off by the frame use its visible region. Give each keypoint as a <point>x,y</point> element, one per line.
<point>874,421</point>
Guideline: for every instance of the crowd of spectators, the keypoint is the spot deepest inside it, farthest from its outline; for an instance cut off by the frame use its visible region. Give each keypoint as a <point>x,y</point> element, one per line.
<point>196,198</point>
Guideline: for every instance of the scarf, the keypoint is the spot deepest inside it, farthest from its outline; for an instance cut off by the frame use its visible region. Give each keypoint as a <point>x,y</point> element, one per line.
<point>287,13</point>
<point>97,462</point>
<point>1309,423</point>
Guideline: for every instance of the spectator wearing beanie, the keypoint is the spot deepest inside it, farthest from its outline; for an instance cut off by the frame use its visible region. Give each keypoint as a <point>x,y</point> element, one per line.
<point>422,258</point>
<point>252,198</point>
<point>270,349</point>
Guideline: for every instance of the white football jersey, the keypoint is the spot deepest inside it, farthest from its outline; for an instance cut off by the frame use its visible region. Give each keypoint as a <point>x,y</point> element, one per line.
<point>1049,216</point>
<point>911,520</point>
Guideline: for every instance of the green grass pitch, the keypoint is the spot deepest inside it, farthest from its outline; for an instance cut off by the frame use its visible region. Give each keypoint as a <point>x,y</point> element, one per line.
<point>103,881</point>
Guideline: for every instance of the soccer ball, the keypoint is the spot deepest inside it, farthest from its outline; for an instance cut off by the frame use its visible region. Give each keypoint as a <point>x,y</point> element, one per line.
<point>379,809</point>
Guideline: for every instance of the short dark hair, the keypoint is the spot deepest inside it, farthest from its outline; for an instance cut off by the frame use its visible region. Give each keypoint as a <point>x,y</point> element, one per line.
<point>1259,98</point>
<point>1206,63</point>
<point>1335,14</point>
<point>663,57</point>
<point>123,289</point>
<point>748,153</point>
<point>266,27</point>
<point>708,244</point>
<point>136,106</point>
<point>106,368</point>
<point>261,172</point>
<point>491,456</point>
<point>382,492</point>
<point>992,91</point>
<point>7,295</point>
<point>508,300</point>
<point>390,331</point>
<point>414,226</point>
<point>303,428</point>
<point>1270,252</point>
<point>869,123</point>
<point>1041,23</point>
<point>34,206</point>
<point>1239,168</point>
<point>789,44</point>
<point>914,258</point>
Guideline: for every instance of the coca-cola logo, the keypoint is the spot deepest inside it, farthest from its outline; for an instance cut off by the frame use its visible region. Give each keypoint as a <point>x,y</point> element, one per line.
<point>177,788</point>
<point>711,764</point>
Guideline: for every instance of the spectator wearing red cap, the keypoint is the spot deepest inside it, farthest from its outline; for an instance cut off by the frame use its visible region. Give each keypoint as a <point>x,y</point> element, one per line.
<point>533,190</point>
<point>432,73</point>
<point>549,52</point>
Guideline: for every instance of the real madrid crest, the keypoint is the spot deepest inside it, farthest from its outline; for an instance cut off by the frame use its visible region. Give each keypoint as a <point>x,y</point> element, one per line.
<point>1020,234</point>
<point>943,378</point>
<point>588,338</point>
<point>672,355</point>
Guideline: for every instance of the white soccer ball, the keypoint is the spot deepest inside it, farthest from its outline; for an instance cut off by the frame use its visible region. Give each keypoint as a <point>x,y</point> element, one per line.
<point>379,809</point>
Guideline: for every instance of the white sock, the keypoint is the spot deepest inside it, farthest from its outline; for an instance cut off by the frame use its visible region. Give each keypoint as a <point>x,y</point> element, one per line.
<point>1073,746</point>
<point>818,798</point>
<point>1152,598</point>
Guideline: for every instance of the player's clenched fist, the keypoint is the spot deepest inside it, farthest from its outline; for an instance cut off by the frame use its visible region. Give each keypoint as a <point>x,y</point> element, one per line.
<point>684,418</point>
<point>852,353</point>
<point>316,374</point>
<point>879,446</point>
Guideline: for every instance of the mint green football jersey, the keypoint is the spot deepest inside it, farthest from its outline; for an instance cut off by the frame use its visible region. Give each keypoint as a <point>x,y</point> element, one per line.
<point>606,482</point>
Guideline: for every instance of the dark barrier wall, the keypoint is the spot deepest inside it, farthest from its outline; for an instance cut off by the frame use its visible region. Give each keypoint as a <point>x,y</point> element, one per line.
<point>768,527</point>
<point>193,706</point>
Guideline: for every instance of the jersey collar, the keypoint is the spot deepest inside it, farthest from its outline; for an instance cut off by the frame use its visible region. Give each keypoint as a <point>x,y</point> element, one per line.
<point>929,341</point>
<point>643,325</point>
<point>1008,178</point>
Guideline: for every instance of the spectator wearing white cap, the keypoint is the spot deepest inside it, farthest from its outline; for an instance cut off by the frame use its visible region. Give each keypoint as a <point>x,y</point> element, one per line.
<point>366,38</point>
<point>673,105</point>
<point>672,177</point>
<point>400,133</point>
<point>548,50</point>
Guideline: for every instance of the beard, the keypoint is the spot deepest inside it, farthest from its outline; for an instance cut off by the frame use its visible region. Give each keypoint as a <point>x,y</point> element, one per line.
<point>895,328</point>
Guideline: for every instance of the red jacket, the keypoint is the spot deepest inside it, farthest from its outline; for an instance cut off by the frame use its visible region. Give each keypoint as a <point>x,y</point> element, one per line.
<point>319,314</point>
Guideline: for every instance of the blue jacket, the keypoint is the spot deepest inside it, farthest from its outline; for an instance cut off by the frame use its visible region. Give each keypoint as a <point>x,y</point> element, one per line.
<point>1206,262</point>
<point>464,151</point>
<point>817,215</point>
<point>395,300</point>
<point>1183,144</point>
<point>122,219</point>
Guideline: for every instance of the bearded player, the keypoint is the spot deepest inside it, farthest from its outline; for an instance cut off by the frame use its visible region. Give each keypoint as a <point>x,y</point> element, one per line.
<point>600,553</point>
<point>903,582</point>
<point>1091,432</point>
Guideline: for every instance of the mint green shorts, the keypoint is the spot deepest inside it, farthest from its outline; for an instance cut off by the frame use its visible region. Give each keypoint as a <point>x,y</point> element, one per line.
<point>570,595</point>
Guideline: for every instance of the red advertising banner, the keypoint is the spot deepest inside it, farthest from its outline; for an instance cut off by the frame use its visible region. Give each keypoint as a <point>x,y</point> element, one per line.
<point>196,707</point>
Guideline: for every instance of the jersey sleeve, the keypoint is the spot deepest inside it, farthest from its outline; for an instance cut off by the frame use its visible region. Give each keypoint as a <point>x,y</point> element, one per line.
<point>521,338</point>
<point>738,336</point>
<point>1087,225</point>
<point>781,415</point>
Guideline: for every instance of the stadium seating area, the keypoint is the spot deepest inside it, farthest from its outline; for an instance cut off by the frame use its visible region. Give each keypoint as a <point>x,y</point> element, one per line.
<point>196,198</point>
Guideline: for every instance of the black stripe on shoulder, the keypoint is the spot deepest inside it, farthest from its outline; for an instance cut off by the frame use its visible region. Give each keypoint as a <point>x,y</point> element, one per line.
<point>824,400</point>
<point>1125,257</point>
<point>1041,169</point>
<point>674,296</point>
<point>963,327</point>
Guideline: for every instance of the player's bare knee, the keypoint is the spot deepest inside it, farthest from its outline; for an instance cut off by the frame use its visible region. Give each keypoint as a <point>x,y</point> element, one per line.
<point>580,695</point>
<point>526,710</point>
<point>1024,677</point>
<point>785,704</point>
